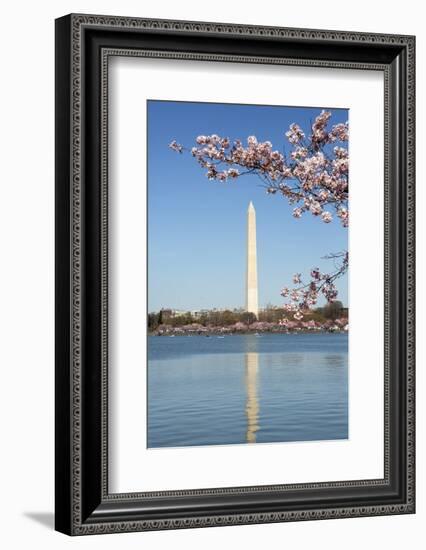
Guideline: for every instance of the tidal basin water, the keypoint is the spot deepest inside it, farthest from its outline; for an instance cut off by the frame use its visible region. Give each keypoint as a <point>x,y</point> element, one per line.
<point>247,389</point>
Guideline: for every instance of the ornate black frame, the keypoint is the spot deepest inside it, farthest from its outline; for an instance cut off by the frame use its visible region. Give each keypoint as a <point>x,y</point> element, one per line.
<point>83,46</point>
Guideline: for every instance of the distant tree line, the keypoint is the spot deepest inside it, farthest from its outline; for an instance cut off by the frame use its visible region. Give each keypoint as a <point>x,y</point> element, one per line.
<point>333,310</point>
<point>226,318</point>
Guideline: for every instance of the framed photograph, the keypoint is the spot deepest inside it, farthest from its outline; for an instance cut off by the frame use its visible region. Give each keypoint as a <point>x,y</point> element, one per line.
<point>234,321</point>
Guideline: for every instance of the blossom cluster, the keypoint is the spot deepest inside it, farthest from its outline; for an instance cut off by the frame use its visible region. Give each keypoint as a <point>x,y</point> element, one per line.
<point>175,146</point>
<point>304,296</point>
<point>313,176</point>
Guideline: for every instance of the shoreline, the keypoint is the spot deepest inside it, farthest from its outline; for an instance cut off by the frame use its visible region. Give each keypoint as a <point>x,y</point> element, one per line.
<point>211,333</point>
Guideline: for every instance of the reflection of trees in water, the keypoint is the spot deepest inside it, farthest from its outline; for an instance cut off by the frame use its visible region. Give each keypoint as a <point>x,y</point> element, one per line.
<point>290,359</point>
<point>282,359</point>
<point>335,360</point>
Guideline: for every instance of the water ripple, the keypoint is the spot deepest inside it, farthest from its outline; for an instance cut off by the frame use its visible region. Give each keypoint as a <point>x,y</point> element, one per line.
<point>207,391</point>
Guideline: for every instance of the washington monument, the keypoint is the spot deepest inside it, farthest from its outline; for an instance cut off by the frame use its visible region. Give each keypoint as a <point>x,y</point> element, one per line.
<point>252,304</point>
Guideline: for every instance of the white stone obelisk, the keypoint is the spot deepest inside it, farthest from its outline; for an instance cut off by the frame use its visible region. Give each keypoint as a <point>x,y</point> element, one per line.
<point>251,281</point>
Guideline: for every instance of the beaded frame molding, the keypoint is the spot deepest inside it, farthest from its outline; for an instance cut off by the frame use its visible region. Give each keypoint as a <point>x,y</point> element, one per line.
<point>84,44</point>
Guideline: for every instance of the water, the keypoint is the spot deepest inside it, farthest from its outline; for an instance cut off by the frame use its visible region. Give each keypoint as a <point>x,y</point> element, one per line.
<point>247,389</point>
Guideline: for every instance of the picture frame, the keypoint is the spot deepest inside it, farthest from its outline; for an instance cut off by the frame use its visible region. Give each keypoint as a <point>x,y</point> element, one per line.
<point>84,505</point>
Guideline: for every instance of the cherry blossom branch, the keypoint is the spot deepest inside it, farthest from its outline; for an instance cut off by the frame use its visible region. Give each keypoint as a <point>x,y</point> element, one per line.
<point>306,295</point>
<point>313,177</point>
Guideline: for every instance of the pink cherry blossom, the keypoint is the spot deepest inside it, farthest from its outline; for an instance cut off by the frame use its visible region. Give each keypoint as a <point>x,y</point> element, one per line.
<point>339,132</point>
<point>176,146</point>
<point>326,217</point>
<point>344,216</point>
<point>295,134</point>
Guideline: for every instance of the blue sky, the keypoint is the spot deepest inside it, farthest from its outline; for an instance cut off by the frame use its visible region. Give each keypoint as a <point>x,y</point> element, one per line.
<point>197,227</point>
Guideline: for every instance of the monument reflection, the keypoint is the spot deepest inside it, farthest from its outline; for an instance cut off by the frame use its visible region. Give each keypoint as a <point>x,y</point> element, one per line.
<point>252,402</point>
